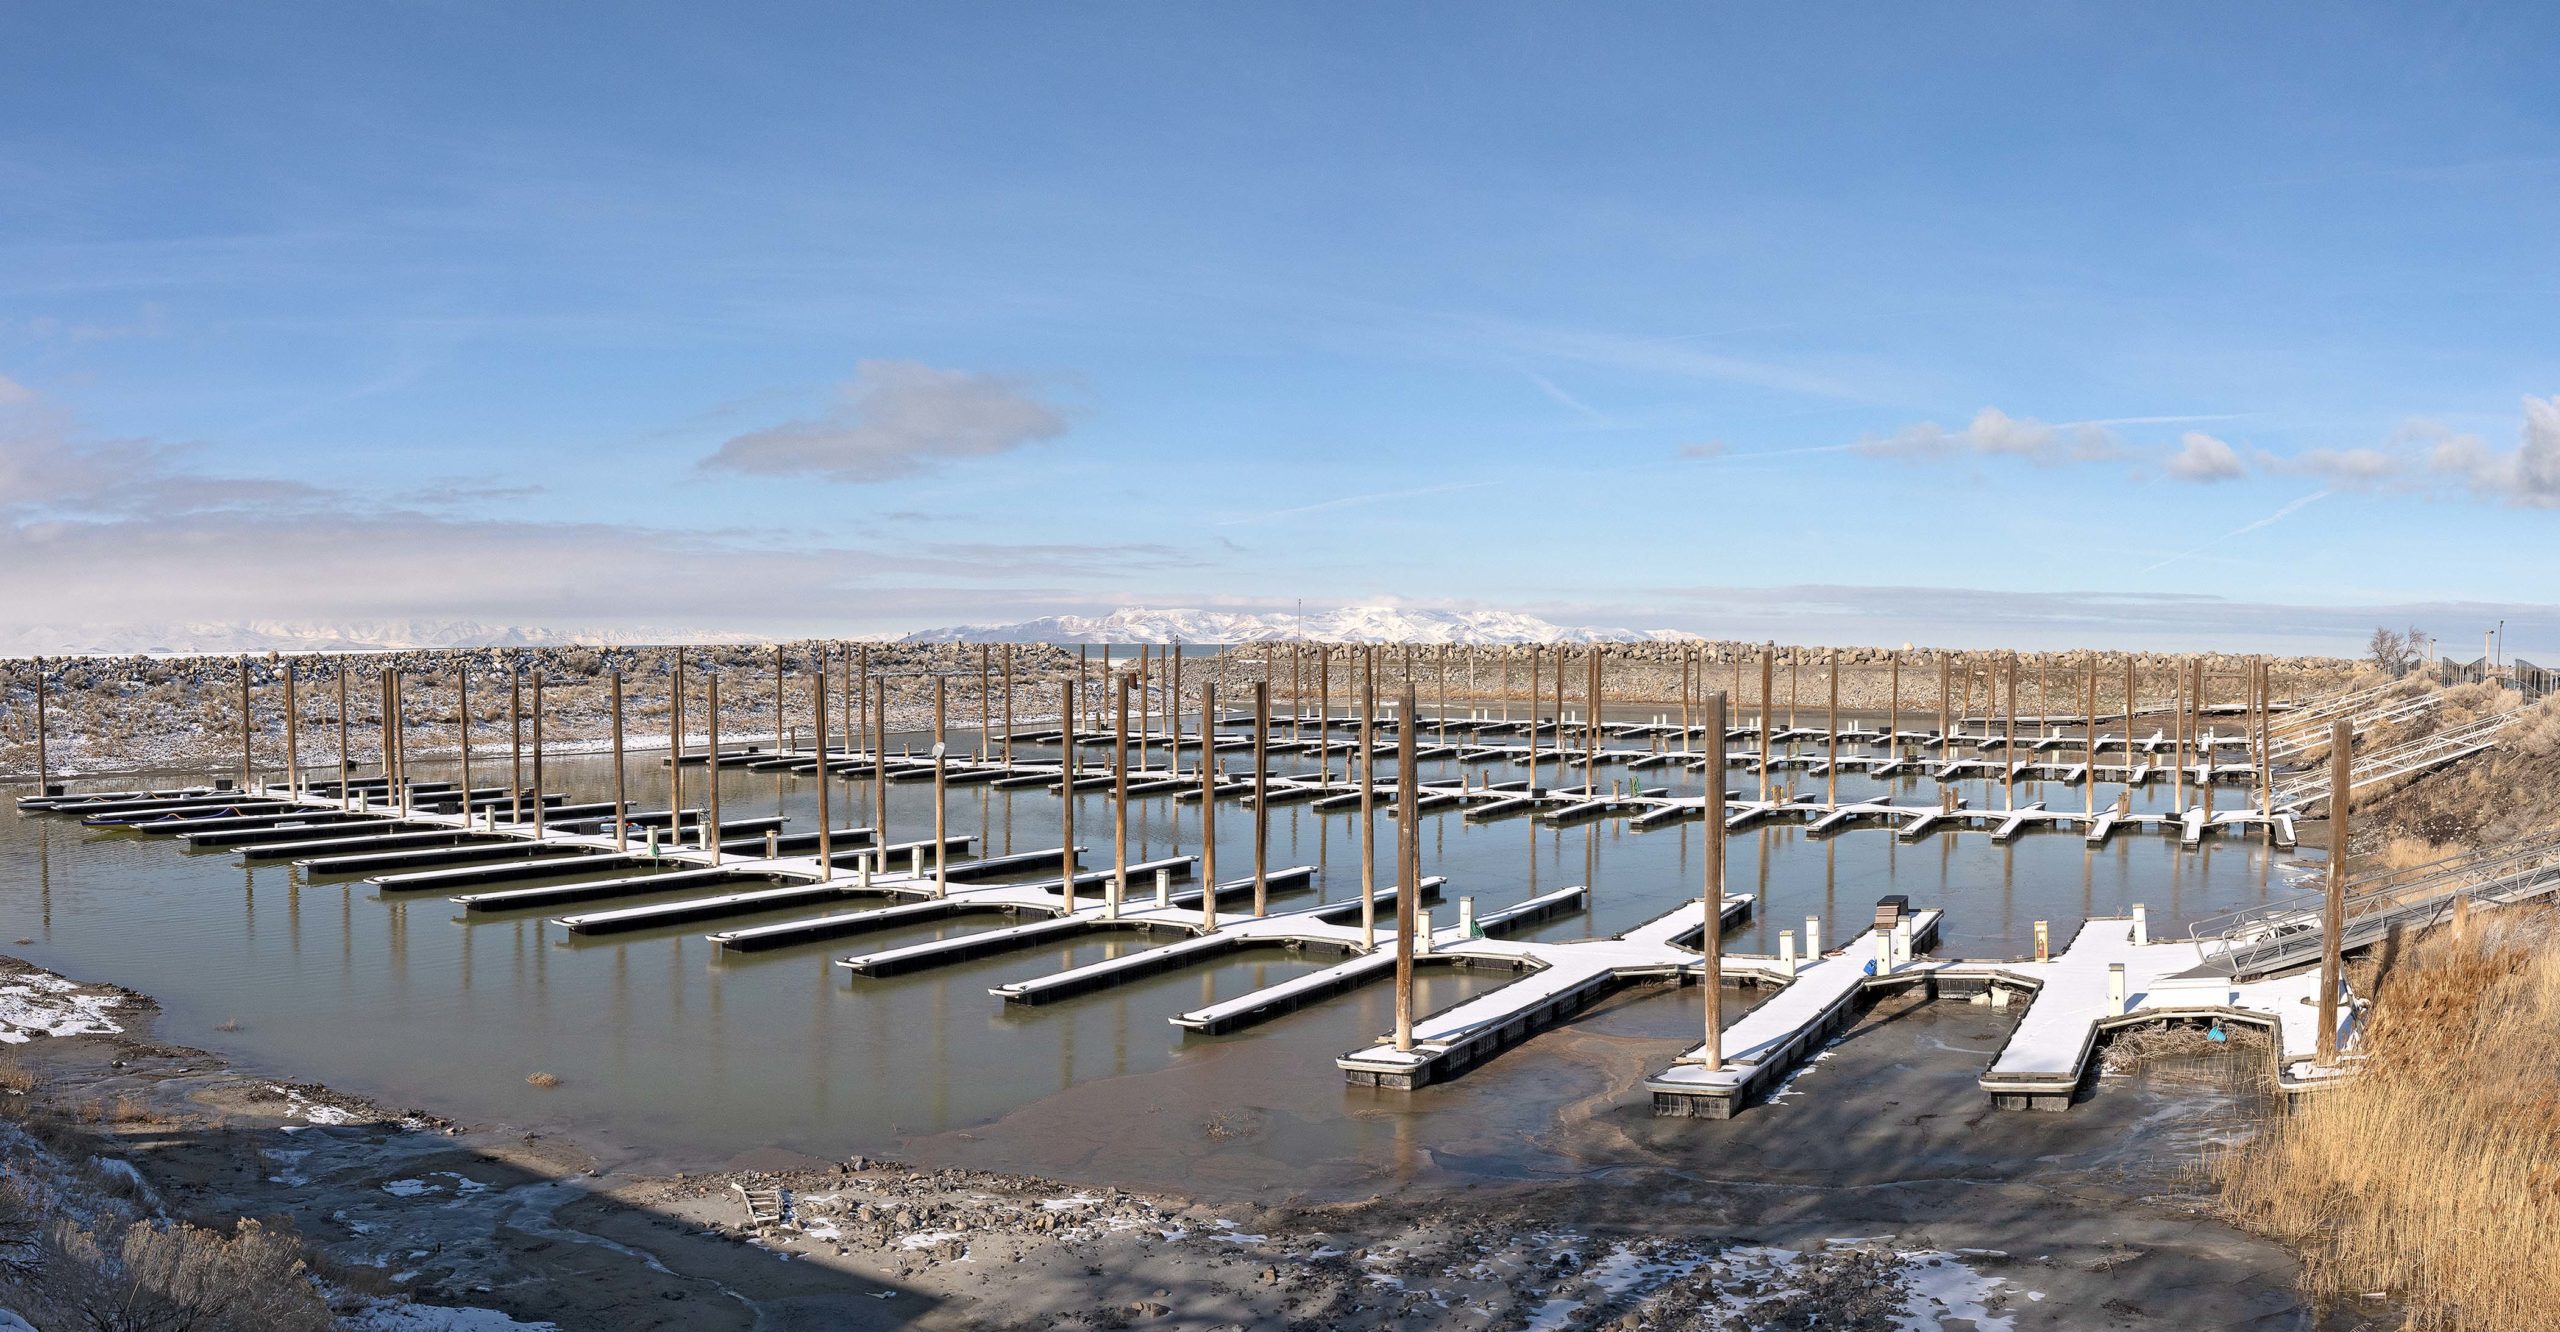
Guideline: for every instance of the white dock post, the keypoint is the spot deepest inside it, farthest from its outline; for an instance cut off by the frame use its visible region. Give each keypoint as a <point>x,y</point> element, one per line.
<point>772,844</point>
<point>2115,988</point>
<point>1812,938</point>
<point>2141,926</point>
<point>364,802</point>
<point>915,862</point>
<point>1787,950</point>
<point>1902,941</point>
<point>653,838</point>
<point>1422,931</point>
<point>1164,889</point>
<point>862,867</point>
<point>1884,954</point>
<point>2044,942</point>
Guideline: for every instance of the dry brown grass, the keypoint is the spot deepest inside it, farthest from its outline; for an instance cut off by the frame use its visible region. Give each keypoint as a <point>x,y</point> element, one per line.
<point>2434,1174</point>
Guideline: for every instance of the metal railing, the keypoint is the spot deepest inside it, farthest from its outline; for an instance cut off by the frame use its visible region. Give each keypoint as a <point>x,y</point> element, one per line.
<point>2284,935</point>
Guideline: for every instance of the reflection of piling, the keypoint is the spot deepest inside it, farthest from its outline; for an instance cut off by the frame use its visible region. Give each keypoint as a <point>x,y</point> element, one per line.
<point>2333,913</point>
<point>1408,871</point>
<point>1711,943</point>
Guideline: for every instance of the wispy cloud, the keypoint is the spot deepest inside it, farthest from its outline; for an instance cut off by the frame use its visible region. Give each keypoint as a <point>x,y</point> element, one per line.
<point>896,418</point>
<point>1352,501</point>
<point>2244,529</point>
<point>1567,400</point>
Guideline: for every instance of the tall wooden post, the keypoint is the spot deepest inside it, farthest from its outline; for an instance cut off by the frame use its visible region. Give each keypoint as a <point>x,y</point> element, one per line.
<point>248,762</point>
<point>986,705</point>
<point>1444,696</point>
<point>1008,708</point>
<point>1946,737</point>
<point>515,738</point>
<point>398,718</point>
<point>2178,736</point>
<point>2091,785</point>
<point>1261,796</point>
<point>293,744</point>
<point>852,705</point>
<point>880,767</point>
<point>1893,714</point>
<point>2333,913</point>
<point>1533,718</point>
<point>1711,943</point>
<point>1768,731</point>
<point>346,761</point>
<point>1208,816</point>
<point>1120,797</point>
<point>462,706</point>
<point>2204,745</point>
<point>1591,726</point>
<point>1324,712</point>
<point>538,673</point>
<point>711,768</point>
<point>44,768</point>
<point>777,700</point>
<point>1067,794</point>
<point>817,724</point>
<point>1173,705</point>
<point>941,806</point>
<point>621,792</point>
<point>1365,773</point>
<point>1408,871</point>
<point>2266,744</point>
<point>2009,751</point>
<point>675,749</point>
<point>1832,774</point>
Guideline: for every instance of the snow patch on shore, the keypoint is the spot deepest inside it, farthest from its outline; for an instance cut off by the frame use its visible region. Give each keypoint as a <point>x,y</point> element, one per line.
<point>42,1004</point>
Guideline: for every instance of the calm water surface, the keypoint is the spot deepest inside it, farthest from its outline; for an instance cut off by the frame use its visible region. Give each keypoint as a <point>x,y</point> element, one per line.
<point>690,1057</point>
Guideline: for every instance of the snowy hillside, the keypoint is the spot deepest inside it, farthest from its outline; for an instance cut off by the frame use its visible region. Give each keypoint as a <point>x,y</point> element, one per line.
<point>1351,624</point>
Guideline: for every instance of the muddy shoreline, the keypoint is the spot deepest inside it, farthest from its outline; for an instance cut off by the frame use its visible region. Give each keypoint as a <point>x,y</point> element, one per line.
<point>1910,1199</point>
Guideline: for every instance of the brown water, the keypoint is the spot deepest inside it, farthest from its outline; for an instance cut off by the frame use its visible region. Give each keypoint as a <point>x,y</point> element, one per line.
<point>687,1058</point>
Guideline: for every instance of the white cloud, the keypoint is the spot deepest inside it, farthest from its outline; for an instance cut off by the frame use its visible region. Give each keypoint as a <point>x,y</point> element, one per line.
<point>2201,457</point>
<point>1995,434</point>
<point>2528,477</point>
<point>895,419</point>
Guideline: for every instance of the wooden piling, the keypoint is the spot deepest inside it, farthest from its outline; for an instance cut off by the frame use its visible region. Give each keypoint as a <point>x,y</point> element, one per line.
<point>986,704</point>
<point>1262,795</point>
<point>778,749</point>
<point>817,724</point>
<point>1324,712</point>
<point>1893,709</point>
<point>1768,733</point>
<point>2090,786</point>
<point>2266,743</point>
<point>537,750</point>
<point>880,760</point>
<point>515,738</point>
<point>2333,908</point>
<point>292,741</point>
<point>711,764</point>
<point>675,748</point>
<point>1119,799</point>
<point>1408,871</point>
<point>1946,673</point>
<point>2207,750</point>
<point>462,707</point>
<point>941,805</point>
<point>1173,708</point>
<point>1591,725</point>
<point>621,793</point>
<point>346,761</point>
<point>1066,795</point>
<point>1831,775</point>
<point>1533,718</point>
<point>1711,944</point>
<point>1008,708</point>
<point>2009,751</point>
<point>1365,773</point>
<point>248,762</point>
<point>44,769</point>
<point>1208,817</point>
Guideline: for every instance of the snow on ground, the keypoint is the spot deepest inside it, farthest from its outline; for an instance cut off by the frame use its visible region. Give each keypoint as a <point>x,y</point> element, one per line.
<point>41,1004</point>
<point>402,1316</point>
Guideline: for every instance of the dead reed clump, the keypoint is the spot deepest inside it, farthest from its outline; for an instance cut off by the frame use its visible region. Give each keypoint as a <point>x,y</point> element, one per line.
<point>546,1081</point>
<point>2435,1173</point>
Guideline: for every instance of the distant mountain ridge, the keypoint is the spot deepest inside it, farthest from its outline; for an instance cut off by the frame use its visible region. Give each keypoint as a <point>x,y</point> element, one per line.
<point>1349,624</point>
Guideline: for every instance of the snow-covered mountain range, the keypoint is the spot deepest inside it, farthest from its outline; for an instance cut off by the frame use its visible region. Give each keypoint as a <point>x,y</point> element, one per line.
<point>1349,624</point>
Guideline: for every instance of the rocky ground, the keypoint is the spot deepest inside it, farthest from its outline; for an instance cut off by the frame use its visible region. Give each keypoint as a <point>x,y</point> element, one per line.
<point>406,1217</point>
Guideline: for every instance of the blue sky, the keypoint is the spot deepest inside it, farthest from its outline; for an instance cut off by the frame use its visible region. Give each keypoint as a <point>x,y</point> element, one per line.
<point>2032,324</point>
